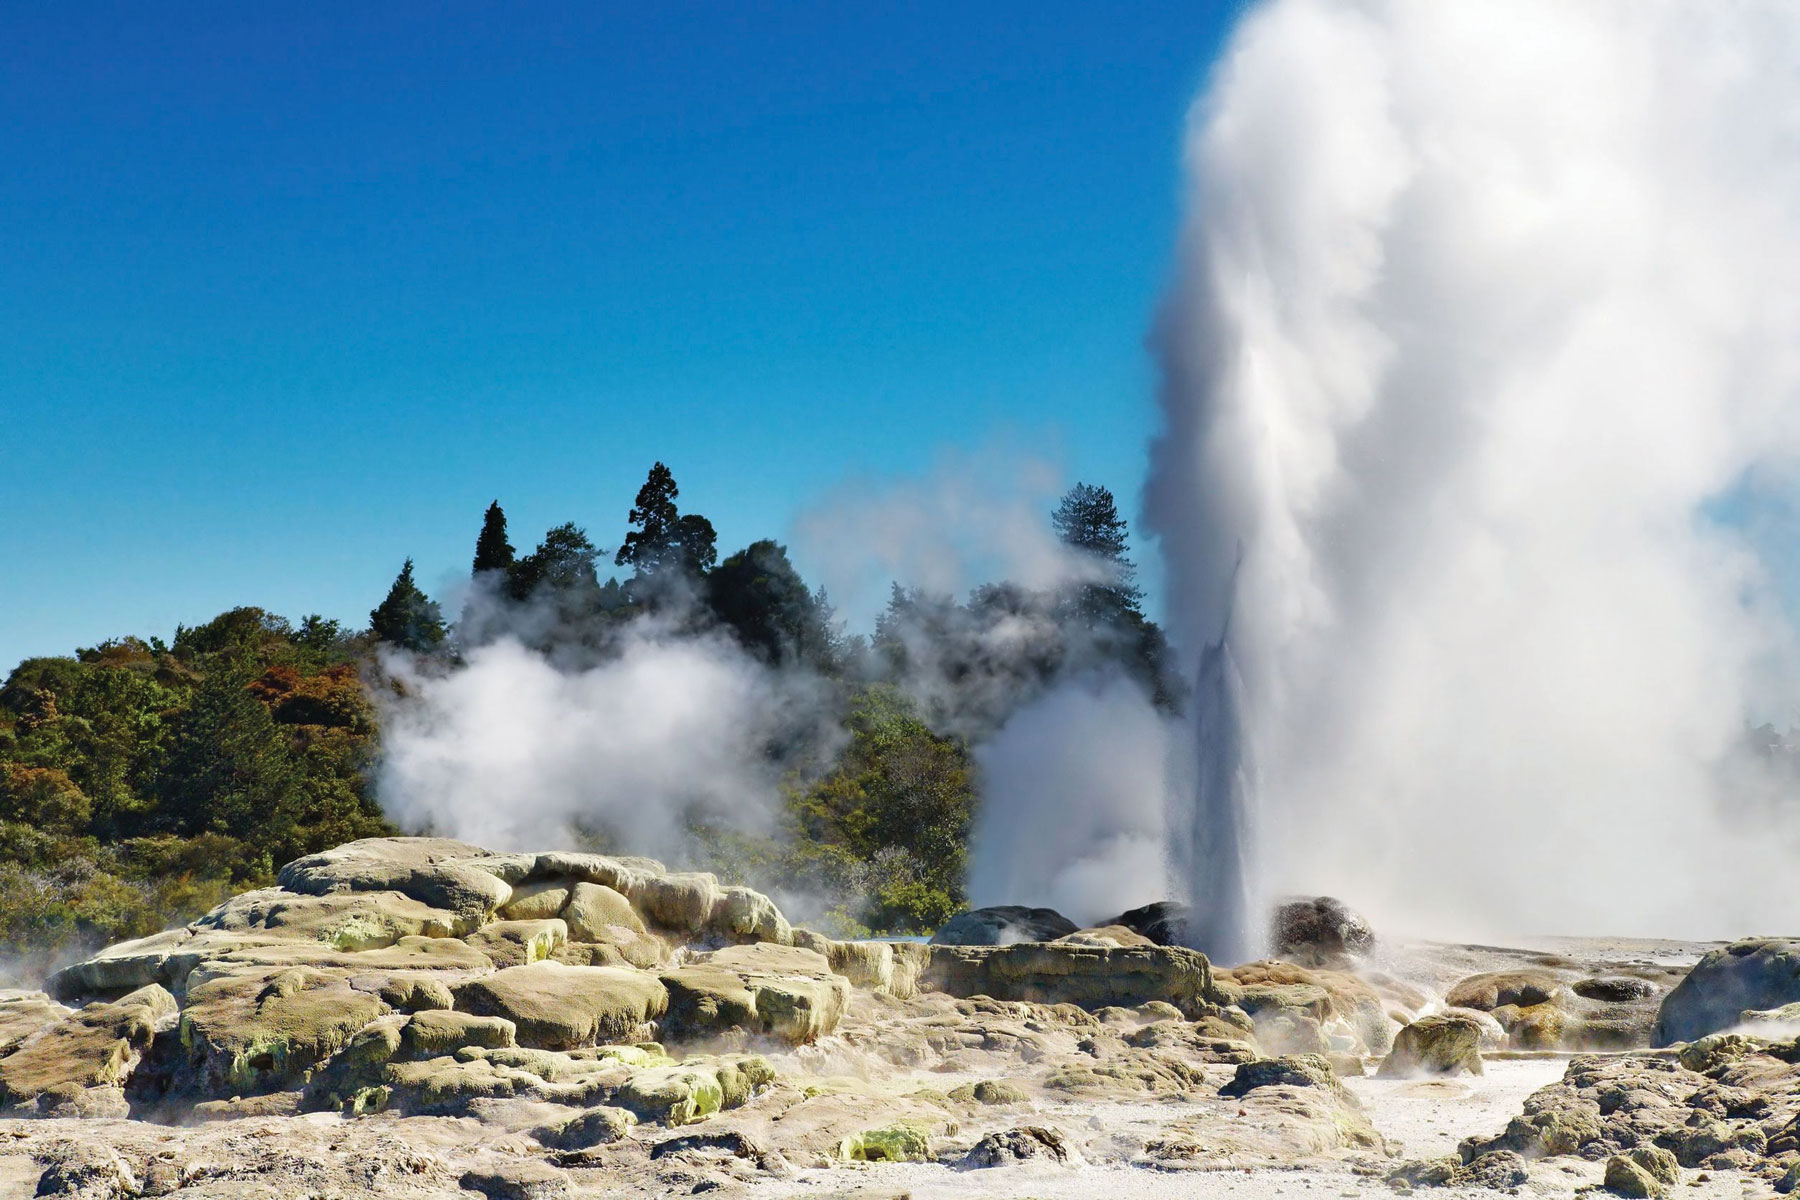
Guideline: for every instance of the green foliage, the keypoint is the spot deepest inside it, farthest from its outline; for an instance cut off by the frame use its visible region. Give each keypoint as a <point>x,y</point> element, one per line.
<point>562,563</point>
<point>492,551</point>
<point>661,537</point>
<point>899,802</point>
<point>408,618</point>
<point>760,597</point>
<point>140,784</point>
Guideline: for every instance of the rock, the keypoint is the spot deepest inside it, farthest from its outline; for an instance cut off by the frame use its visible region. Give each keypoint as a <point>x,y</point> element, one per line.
<point>1003,925</point>
<point>81,1170</point>
<point>540,899</point>
<point>1517,989</point>
<point>1114,936</point>
<point>97,1047</point>
<point>786,992</point>
<point>1624,1177</point>
<point>1776,1022</point>
<point>596,913</point>
<point>1319,931</point>
<point>1087,976</point>
<point>428,1034</point>
<point>554,1007</point>
<point>1015,1145</point>
<point>989,1092</point>
<point>23,1013</point>
<point>683,1094</point>
<point>517,943</point>
<point>341,920</point>
<point>1294,1070</point>
<point>1436,1045</point>
<point>1500,1170</point>
<point>430,870</point>
<point>1757,974</point>
<point>253,1028</point>
<point>1164,922</point>
<point>526,1179</point>
<point>892,1143</point>
<point>598,1126</point>
<point>1349,1012</point>
<point>1541,1010</point>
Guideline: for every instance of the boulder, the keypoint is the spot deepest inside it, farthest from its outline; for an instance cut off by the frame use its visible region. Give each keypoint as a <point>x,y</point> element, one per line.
<point>1552,1010</point>
<point>97,1047</point>
<point>597,1126</point>
<point>341,920</point>
<point>1756,974</point>
<point>786,992</point>
<point>1003,925</point>
<point>516,943</point>
<point>538,900</point>
<point>435,871</point>
<point>1443,1044</point>
<point>23,1013</point>
<point>1090,977</point>
<point>253,1028</point>
<point>597,913</point>
<point>1015,1145</point>
<point>1164,922</point>
<point>1350,1013</point>
<point>557,1007</point>
<point>525,1179</point>
<point>1319,931</point>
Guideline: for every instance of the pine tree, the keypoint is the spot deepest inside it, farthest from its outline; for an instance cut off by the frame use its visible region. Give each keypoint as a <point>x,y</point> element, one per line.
<point>229,769</point>
<point>408,618</point>
<point>1088,520</point>
<point>662,536</point>
<point>492,551</point>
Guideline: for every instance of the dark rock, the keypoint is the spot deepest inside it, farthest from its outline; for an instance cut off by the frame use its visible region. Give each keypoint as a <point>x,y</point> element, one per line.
<point>1165,922</point>
<point>1319,931</point>
<point>1003,925</point>
<point>1754,974</point>
<point>1015,1145</point>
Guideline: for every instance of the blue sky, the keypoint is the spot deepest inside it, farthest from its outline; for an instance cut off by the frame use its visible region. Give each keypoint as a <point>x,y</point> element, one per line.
<point>289,293</point>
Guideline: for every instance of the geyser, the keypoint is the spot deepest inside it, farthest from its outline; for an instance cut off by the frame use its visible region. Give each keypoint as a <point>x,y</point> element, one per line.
<point>1481,369</point>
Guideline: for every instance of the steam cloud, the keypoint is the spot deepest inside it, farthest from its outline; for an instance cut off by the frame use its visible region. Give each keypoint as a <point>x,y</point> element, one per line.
<point>1482,358</point>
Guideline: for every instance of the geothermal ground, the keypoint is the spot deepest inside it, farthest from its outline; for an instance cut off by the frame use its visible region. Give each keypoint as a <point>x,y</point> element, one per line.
<point>422,1018</point>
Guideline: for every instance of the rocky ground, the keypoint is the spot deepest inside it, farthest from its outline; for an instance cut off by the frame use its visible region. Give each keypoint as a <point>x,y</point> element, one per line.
<point>422,1018</point>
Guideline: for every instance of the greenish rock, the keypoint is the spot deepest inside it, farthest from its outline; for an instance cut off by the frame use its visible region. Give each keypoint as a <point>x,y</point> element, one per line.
<point>890,1143</point>
<point>1091,977</point>
<point>989,1092</point>
<point>434,1032</point>
<point>555,1007</point>
<point>250,1029</point>
<point>536,900</point>
<point>519,943</point>
<point>1443,1044</point>
<point>98,1046</point>
<point>596,912</point>
<point>598,1126</point>
<point>677,1095</point>
<point>1627,1178</point>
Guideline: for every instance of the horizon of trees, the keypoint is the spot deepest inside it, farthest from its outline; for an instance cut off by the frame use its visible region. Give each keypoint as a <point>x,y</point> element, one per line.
<point>142,781</point>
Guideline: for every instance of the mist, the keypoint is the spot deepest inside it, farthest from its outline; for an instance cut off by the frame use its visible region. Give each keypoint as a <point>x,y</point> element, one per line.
<point>1480,364</point>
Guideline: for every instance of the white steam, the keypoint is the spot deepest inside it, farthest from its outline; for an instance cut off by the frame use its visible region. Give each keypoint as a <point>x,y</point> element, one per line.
<point>1073,803</point>
<point>1485,340</point>
<point>509,751</point>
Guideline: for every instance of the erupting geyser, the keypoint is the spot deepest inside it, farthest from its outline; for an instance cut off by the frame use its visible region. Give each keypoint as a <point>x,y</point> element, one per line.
<point>1482,380</point>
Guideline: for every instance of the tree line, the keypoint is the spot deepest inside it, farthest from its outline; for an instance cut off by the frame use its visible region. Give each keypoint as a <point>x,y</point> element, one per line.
<point>141,782</point>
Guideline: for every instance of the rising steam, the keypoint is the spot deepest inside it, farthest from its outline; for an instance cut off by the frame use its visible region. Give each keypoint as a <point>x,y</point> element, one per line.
<point>1483,355</point>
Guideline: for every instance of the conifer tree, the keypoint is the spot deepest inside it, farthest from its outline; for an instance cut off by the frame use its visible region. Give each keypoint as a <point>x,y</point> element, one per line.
<point>492,551</point>
<point>408,618</point>
<point>662,536</point>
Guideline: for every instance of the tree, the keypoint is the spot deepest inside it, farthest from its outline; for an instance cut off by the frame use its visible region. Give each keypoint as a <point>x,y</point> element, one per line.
<point>661,536</point>
<point>229,770</point>
<point>1088,520</point>
<point>408,618</point>
<point>492,551</point>
<point>759,595</point>
<point>562,562</point>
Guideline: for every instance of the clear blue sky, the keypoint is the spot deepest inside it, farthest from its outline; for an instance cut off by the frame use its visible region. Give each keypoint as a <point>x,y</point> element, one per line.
<point>290,292</point>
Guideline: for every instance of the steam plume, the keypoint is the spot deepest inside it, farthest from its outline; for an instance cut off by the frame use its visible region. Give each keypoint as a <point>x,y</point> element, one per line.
<point>1482,357</point>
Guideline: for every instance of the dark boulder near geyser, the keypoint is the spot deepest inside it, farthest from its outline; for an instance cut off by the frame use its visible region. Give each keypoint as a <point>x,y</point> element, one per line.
<point>1004,924</point>
<point>1319,931</point>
